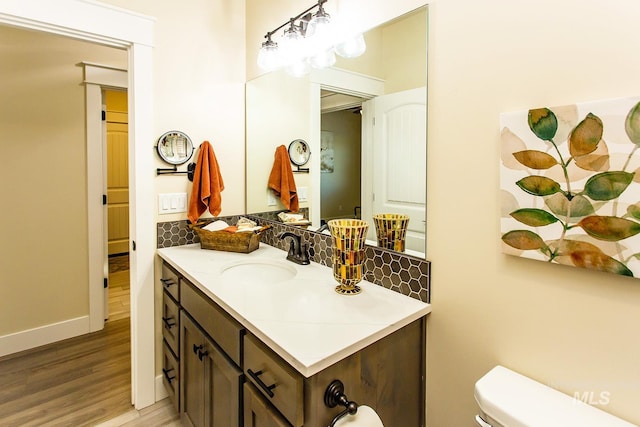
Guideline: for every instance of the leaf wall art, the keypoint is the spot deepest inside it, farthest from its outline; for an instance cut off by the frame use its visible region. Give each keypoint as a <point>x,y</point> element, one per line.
<point>570,185</point>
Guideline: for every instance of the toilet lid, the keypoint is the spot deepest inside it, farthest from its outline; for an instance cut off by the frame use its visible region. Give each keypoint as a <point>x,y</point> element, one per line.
<point>517,401</point>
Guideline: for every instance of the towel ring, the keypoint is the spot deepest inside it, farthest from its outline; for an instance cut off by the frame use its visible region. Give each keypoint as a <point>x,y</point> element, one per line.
<point>333,396</point>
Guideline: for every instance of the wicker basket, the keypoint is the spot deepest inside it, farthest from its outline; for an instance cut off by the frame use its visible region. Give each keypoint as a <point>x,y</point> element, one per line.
<point>228,242</point>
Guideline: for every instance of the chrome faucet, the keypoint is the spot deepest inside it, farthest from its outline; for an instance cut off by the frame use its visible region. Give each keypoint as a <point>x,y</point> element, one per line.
<point>298,251</point>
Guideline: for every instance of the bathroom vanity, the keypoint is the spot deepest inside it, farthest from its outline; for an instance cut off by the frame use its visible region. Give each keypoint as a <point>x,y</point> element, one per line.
<point>254,340</point>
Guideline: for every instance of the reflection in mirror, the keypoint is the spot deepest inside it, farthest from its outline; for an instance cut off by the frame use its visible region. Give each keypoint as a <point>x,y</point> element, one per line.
<point>175,147</point>
<point>365,122</point>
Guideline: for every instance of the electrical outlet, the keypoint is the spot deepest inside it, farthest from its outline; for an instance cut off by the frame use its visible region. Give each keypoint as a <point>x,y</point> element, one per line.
<point>271,199</point>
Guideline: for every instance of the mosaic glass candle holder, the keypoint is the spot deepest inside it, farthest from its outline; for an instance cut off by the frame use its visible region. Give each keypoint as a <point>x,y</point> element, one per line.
<point>391,230</point>
<point>348,238</point>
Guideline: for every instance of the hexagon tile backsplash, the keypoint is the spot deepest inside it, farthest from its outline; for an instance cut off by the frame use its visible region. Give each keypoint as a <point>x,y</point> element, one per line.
<point>401,273</point>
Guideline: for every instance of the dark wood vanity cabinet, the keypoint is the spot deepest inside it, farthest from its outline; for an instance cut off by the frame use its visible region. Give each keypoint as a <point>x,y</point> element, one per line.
<point>227,377</point>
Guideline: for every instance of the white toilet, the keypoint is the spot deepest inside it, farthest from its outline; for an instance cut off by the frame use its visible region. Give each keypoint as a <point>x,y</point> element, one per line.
<point>509,399</point>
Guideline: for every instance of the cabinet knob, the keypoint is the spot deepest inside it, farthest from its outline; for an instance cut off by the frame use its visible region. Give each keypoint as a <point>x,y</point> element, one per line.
<point>197,348</point>
<point>266,388</point>
<point>202,355</point>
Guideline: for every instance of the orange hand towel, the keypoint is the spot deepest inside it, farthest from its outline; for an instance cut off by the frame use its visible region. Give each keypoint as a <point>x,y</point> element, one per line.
<point>207,184</point>
<point>281,180</point>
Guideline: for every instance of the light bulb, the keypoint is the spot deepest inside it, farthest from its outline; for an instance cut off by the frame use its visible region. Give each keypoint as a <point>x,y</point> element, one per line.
<point>291,46</point>
<point>352,47</point>
<point>268,57</point>
<point>299,68</point>
<point>319,23</point>
<point>323,59</point>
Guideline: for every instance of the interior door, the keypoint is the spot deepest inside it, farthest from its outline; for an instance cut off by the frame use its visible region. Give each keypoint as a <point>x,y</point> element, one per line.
<point>398,152</point>
<point>117,172</point>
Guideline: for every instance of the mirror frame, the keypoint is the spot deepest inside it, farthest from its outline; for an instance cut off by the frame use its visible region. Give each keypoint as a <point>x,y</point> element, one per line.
<point>299,158</point>
<point>169,140</point>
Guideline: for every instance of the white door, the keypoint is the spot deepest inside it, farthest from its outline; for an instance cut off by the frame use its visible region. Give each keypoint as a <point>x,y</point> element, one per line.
<point>398,152</point>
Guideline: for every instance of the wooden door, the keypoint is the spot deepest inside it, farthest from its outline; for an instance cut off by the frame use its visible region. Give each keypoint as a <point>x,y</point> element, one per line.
<point>399,160</point>
<point>192,378</point>
<point>224,381</point>
<point>117,172</point>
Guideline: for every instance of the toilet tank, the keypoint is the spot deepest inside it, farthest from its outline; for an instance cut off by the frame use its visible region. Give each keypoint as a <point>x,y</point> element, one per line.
<point>509,399</point>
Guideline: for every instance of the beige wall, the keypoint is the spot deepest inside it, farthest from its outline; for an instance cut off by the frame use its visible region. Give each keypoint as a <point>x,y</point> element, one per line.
<point>44,217</point>
<point>199,86</point>
<point>573,329</point>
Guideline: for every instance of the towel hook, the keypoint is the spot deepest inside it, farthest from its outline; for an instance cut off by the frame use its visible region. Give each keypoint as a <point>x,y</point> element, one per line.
<point>333,396</point>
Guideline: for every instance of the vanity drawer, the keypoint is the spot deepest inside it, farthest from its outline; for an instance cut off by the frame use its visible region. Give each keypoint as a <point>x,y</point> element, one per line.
<point>170,322</point>
<point>275,379</point>
<point>224,330</point>
<point>171,375</point>
<point>170,280</point>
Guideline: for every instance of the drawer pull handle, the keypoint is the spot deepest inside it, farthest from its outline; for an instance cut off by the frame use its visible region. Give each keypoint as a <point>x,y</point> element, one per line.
<point>166,374</point>
<point>169,322</point>
<point>197,348</point>
<point>266,388</point>
<point>167,282</point>
<point>202,354</point>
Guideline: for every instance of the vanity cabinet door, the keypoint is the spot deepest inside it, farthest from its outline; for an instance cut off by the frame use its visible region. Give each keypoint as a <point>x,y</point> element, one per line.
<point>211,382</point>
<point>258,412</point>
<point>223,390</point>
<point>192,387</point>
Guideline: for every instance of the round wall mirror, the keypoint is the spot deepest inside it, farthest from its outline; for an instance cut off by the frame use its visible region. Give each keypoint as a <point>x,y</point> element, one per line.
<point>299,152</point>
<point>175,147</point>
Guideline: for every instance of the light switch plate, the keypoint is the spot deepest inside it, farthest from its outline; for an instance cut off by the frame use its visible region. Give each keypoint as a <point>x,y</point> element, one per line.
<point>302,194</point>
<point>169,203</point>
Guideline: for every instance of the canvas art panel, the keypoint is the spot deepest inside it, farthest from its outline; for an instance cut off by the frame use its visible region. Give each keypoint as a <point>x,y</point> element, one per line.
<point>570,185</point>
<point>327,163</point>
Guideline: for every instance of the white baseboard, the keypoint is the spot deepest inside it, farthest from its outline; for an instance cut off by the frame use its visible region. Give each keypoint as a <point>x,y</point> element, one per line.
<point>161,391</point>
<point>42,335</point>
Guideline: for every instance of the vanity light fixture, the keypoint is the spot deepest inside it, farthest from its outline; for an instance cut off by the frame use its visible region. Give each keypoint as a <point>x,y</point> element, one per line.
<point>310,40</point>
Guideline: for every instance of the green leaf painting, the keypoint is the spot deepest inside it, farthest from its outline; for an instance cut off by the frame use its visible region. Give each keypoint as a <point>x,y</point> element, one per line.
<point>574,194</point>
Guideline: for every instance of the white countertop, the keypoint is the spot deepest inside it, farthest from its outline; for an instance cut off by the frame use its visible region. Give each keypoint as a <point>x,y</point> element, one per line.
<point>302,319</point>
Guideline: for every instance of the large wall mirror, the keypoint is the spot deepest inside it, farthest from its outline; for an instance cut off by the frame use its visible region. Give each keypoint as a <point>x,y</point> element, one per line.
<point>365,121</point>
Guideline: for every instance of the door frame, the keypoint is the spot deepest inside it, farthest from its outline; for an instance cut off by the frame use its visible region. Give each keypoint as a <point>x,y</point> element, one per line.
<point>112,26</point>
<point>97,78</point>
<point>339,81</point>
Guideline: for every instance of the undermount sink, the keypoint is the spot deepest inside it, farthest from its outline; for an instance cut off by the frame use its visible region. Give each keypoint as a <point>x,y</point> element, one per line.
<point>264,271</point>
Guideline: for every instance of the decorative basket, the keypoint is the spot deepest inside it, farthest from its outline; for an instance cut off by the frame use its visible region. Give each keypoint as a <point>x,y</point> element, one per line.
<point>243,242</point>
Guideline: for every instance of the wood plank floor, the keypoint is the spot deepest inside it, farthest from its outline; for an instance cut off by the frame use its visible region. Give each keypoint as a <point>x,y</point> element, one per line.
<point>82,381</point>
